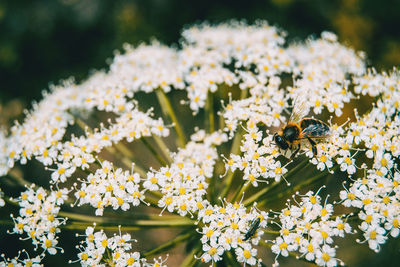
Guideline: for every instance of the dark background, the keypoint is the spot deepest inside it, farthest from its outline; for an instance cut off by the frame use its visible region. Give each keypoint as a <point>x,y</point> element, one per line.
<point>48,40</point>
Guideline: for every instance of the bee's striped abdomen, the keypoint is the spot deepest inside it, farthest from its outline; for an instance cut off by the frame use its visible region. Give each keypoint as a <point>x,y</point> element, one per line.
<point>314,128</point>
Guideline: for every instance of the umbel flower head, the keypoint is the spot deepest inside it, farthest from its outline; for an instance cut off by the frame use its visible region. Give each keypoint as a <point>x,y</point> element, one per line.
<point>235,139</point>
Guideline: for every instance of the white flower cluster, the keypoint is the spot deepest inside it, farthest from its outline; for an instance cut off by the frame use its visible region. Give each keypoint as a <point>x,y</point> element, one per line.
<point>183,183</point>
<point>271,78</point>
<point>378,199</point>
<point>55,112</point>
<point>38,217</point>
<point>147,68</point>
<point>109,187</point>
<point>264,105</point>
<point>309,228</point>
<point>321,72</point>
<point>226,228</point>
<point>258,159</point>
<point>225,55</point>
<point>21,260</point>
<point>99,250</point>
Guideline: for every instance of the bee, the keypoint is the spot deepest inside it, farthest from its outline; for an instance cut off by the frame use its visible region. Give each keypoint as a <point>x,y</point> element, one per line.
<point>299,129</point>
<point>255,223</point>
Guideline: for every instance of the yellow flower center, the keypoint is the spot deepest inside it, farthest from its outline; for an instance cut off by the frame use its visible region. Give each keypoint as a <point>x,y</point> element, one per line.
<point>212,251</point>
<point>373,234</point>
<point>130,261</point>
<point>246,254</point>
<point>168,201</point>
<point>325,256</point>
<point>283,246</point>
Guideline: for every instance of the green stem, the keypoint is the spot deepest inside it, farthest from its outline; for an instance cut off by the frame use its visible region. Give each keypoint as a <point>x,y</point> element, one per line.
<point>190,260</point>
<point>150,223</point>
<point>243,93</point>
<point>271,232</point>
<point>242,190</point>
<point>17,177</point>
<point>166,246</point>
<point>125,161</point>
<point>294,189</point>
<point>124,150</point>
<point>82,125</point>
<point>163,147</point>
<point>231,259</point>
<point>260,194</point>
<point>234,150</point>
<point>153,151</point>
<point>168,110</point>
<point>229,183</point>
<point>209,113</point>
<point>155,194</point>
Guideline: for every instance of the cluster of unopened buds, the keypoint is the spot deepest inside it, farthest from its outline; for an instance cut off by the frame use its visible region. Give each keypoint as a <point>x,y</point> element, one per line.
<point>267,121</point>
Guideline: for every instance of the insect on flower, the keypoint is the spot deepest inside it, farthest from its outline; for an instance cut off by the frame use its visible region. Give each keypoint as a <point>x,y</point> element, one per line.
<point>255,223</point>
<point>299,129</point>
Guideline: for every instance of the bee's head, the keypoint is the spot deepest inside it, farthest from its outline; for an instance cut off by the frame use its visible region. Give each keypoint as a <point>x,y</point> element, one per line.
<point>281,141</point>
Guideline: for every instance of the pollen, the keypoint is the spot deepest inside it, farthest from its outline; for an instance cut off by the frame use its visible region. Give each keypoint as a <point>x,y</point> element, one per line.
<point>182,190</point>
<point>212,251</point>
<point>208,212</point>
<point>368,219</point>
<point>47,243</point>
<point>130,261</point>
<point>324,212</point>
<point>325,256</point>
<point>373,234</point>
<point>199,205</point>
<point>285,231</point>
<point>286,212</point>
<point>386,199</point>
<point>351,196</point>
<point>168,200</point>
<point>252,178</point>
<point>366,201</point>
<point>283,246</point>
<point>246,254</point>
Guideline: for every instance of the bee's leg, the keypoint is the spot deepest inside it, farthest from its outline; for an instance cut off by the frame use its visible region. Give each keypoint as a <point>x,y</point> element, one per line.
<point>295,152</point>
<point>314,146</point>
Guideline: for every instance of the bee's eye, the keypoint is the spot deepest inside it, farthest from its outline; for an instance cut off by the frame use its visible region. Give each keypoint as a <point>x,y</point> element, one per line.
<point>280,142</point>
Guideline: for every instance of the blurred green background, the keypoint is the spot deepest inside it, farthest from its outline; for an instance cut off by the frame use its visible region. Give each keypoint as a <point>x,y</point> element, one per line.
<point>44,41</point>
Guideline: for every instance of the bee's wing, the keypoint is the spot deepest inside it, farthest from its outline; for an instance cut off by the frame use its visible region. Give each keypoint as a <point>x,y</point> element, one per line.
<point>300,110</point>
<point>316,131</point>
